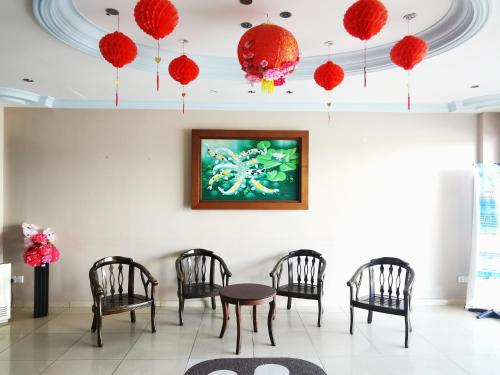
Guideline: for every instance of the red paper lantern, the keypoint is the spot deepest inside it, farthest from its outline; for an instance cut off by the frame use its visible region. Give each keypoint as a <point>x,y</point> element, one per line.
<point>183,70</point>
<point>363,20</point>
<point>329,75</point>
<point>119,50</point>
<point>407,53</point>
<point>268,54</point>
<point>157,18</point>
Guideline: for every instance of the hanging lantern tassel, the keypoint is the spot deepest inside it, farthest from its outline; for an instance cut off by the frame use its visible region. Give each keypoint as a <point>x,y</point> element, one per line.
<point>329,105</point>
<point>117,83</point>
<point>364,68</point>
<point>183,99</point>
<point>409,97</point>
<point>158,61</point>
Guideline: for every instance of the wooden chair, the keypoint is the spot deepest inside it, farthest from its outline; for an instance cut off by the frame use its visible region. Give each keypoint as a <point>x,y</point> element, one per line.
<point>390,273</point>
<point>118,273</point>
<point>192,278</point>
<point>306,273</point>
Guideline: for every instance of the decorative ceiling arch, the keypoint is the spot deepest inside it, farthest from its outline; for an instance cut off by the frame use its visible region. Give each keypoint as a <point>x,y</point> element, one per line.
<point>464,19</point>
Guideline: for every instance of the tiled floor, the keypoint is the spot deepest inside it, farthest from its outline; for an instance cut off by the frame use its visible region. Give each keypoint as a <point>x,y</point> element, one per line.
<point>445,340</point>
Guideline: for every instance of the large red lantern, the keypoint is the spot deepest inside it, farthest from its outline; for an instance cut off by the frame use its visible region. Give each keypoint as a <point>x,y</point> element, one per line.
<point>329,75</point>
<point>407,53</point>
<point>119,50</point>
<point>363,20</point>
<point>183,70</point>
<point>157,18</point>
<point>268,53</point>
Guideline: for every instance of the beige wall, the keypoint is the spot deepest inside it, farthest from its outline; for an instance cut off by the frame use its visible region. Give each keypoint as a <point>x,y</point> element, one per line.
<point>118,182</point>
<point>1,178</point>
<point>490,138</point>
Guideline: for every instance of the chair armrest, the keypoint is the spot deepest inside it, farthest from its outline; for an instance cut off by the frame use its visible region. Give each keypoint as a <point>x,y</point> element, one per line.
<point>146,272</point>
<point>223,264</point>
<point>321,272</point>
<point>97,289</point>
<point>180,275</point>
<point>277,267</point>
<point>352,282</point>
<point>409,282</point>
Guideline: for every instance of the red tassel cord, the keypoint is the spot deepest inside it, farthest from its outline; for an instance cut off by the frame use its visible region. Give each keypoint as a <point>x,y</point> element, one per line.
<point>409,96</point>
<point>117,82</point>
<point>183,100</point>
<point>364,69</point>
<point>158,60</point>
<point>329,105</point>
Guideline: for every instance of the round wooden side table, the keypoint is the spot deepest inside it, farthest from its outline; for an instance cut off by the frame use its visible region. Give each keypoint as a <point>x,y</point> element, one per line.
<point>247,295</point>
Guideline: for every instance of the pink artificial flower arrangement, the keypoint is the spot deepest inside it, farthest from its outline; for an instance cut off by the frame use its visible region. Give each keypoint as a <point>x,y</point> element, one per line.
<point>38,246</point>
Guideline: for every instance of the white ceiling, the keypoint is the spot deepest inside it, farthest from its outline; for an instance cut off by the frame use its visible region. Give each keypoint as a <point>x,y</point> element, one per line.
<point>74,78</point>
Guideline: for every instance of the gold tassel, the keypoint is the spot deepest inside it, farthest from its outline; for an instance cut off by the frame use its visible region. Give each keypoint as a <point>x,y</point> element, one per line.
<point>267,86</point>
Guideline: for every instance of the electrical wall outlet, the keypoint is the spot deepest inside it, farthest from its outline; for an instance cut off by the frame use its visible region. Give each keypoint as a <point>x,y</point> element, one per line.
<point>17,279</point>
<point>462,279</point>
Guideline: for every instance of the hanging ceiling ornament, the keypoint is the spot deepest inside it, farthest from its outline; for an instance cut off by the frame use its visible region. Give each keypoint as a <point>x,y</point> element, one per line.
<point>157,18</point>
<point>363,20</point>
<point>183,70</point>
<point>408,52</point>
<point>268,53</point>
<point>329,75</point>
<point>119,50</point>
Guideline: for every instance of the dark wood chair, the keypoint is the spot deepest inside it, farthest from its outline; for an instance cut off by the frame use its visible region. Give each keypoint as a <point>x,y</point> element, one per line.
<point>391,274</point>
<point>118,275</point>
<point>192,278</point>
<point>306,273</point>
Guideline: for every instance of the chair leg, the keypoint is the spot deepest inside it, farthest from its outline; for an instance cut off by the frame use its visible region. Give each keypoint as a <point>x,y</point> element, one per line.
<point>370,317</point>
<point>99,331</point>
<point>407,329</point>
<point>214,306</point>
<point>153,317</point>
<point>132,316</point>
<point>352,320</point>
<point>320,311</point>
<point>181,309</point>
<point>289,303</point>
<point>94,324</point>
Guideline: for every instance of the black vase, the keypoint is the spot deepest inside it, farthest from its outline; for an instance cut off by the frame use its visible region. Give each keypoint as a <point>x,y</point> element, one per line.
<point>41,290</point>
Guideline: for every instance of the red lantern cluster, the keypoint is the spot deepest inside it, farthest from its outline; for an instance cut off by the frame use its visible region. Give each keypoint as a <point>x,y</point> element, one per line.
<point>157,18</point>
<point>268,54</point>
<point>119,50</point>
<point>183,70</point>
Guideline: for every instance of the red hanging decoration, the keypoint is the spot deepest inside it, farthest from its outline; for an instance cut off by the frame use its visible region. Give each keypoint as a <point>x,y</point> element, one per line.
<point>119,50</point>
<point>183,70</point>
<point>329,75</point>
<point>268,54</point>
<point>157,18</point>
<point>407,53</point>
<point>363,20</point>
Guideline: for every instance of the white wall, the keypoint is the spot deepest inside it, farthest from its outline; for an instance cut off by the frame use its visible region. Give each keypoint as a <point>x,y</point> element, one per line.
<point>1,177</point>
<point>118,183</point>
<point>490,137</point>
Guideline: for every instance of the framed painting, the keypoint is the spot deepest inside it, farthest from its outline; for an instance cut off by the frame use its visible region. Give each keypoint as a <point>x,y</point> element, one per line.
<point>250,169</point>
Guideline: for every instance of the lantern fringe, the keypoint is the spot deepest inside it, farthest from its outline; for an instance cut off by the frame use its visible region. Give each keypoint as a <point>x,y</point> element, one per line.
<point>183,100</point>
<point>364,68</point>
<point>267,86</point>
<point>158,60</point>
<point>409,94</point>
<point>329,105</point>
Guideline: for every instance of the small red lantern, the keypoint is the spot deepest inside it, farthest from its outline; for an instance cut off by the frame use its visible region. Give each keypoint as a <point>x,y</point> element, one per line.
<point>329,75</point>
<point>364,19</point>
<point>119,50</point>
<point>268,54</point>
<point>407,53</point>
<point>183,70</point>
<point>157,18</point>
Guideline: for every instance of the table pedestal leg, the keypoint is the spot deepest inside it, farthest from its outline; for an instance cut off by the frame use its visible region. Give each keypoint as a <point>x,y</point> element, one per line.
<point>238,328</point>
<point>225,317</point>
<point>272,309</point>
<point>255,318</point>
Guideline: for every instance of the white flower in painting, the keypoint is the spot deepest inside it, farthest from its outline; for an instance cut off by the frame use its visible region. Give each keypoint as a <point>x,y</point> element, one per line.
<point>278,155</point>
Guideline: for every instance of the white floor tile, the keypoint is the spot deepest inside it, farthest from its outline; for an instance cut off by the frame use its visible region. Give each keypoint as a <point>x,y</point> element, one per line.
<point>82,367</point>
<point>40,347</point>
<point>23,367</point>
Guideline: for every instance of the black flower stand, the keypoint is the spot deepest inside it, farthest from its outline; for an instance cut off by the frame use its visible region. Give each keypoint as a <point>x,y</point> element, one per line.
<point>41,290</point>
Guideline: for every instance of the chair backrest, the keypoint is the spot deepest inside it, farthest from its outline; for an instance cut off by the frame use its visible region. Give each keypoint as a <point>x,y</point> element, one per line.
<point>197,266</point>
<point>305,267</point>
<point>388,276</point>
<point>114,274</point>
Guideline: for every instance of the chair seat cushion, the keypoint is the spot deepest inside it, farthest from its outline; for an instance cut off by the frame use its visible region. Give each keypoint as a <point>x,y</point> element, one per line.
<point>123,302</point>
<point>380,303</point>
<point>300,290</point>
<point>200,290</point>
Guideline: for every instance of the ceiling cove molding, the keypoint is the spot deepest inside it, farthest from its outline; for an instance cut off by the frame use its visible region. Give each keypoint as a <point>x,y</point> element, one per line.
<point>28,98</point>
<point>475,104</point>
<point>464,20</point>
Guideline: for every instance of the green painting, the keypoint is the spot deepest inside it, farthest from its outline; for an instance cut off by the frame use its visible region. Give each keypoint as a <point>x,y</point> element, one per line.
<point>250,170</point>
